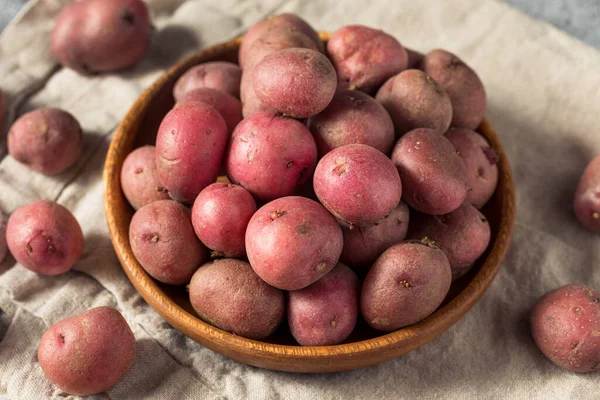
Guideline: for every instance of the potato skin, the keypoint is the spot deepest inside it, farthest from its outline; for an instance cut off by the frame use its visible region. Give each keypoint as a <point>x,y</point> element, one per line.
<point>251,104</point>
<point>357,169</point>
<point>362,245</point>
<point>565,324</point>
<point>364,58</point>
<point>292,242</point>
<point>270,155</point>
<point>190,146</point>
<point>93,36</point>
<point>352,117</point>
<point>415,58</point>
<point>3,245</point>
<point>47,140</point>
<point>482,164</point>
<point>163,240</point>
<point>222,76</point>
<point>87,353</point>
<point>44,237</point>
<point>220,217</point>
<point>228,294</point>
<point>462,84</point>
<point>139,178</point>
<point>434,177</point>
<point>587,197</point>
<point>228,106</point>
<point>464,235</point>
<point>296,82</point>
<point>325,312</point>
<point>415,100</point>
<point>406,284</point>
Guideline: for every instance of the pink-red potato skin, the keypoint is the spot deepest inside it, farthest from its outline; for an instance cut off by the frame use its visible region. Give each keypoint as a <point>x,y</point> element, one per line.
<point>229,295</point>
<point>464,235</point>
<point>44,237</point>
<point>406,284</point>
<point>565,324</point>
<point>352,117</point>
<point>325,312</point>
<point>587,197</point>
<point>434,176</point>
<point>358,184</point>
<point>270,155</point>
<point>292,242</point>
<point>466,90</point>
<point>282,22</point>
<point>139,178</point>
<point>190,147</point>
<point>228,106</point>
<point>3,245</point>
<point>163,241</point>
<point>220,217</point>
<point>222,76</point>
<point>93,36</point>
<point>47,140</point>
<point>251,104</point>
<point>415,100</point>
<point>87,353</point>
<point>362,245</point>
<point>296,82</point>
<point>364,58</point>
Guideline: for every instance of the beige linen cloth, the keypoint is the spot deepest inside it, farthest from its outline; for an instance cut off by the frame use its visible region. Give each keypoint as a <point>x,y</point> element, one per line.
<point>544,97</point>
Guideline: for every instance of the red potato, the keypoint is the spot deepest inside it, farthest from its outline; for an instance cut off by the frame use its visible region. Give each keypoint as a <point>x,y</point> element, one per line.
<point>352,117</point>
<point>358,184</point>
<point>87,353</point>
<point>462,84</point>
<point>363,245</point>
<point>587,197</point>
<point>296,82</point>
<point>415,100</point>
<point>44,237</point>
<point>222,76</point>
<point>292,242</point>
<point>482,164</point>
<point>220,217</point>
<point>415,58</point>
<point>364,58</point>
<point>139,178</point>
<point>406,284</point>
<point>228,106</point>
<point>190,146</point>
<point>325,312</point>
<point>464,235</point>
<point>3,245</point>
<point>251,104</point>
<point>47,140</point>
<point>163,241</point>
<point>565,324</point>
<point>229,295</point>
<point>270,155</point>
<point>434,177</point>
<point>101,35</point>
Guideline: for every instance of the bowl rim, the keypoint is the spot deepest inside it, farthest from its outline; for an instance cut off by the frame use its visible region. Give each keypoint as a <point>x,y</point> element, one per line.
<point>391,344</point>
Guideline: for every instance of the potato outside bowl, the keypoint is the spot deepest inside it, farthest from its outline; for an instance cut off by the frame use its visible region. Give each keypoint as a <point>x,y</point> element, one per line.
<point>365,346</point>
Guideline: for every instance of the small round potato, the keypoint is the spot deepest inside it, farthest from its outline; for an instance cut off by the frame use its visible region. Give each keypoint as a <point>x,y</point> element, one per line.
<point>325,312</point>
<point>292,242</point>
<point>274,40</point>
<point>358,184</point>
<point>228,106</point>
<point>434,177</point>
<point>406,284</point>
<point>364,58</point>
<point>47,140</point>
<point>3,245</point>
<point>220,217</point>
<point>587,197</point>
<point>44,237</point>
<point>229,295</point>
<point>565,324</point>
<point>163,240</point>
<point>415,100</point>
<point>87,353</point>
<point>139,178</point>
<point>297,82</point>
<point>462,84</point>
<point>352,117</point>
<point>218,75</point>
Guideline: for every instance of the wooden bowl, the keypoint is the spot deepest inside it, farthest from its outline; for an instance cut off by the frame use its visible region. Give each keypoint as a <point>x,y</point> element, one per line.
<point>365,346</point>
